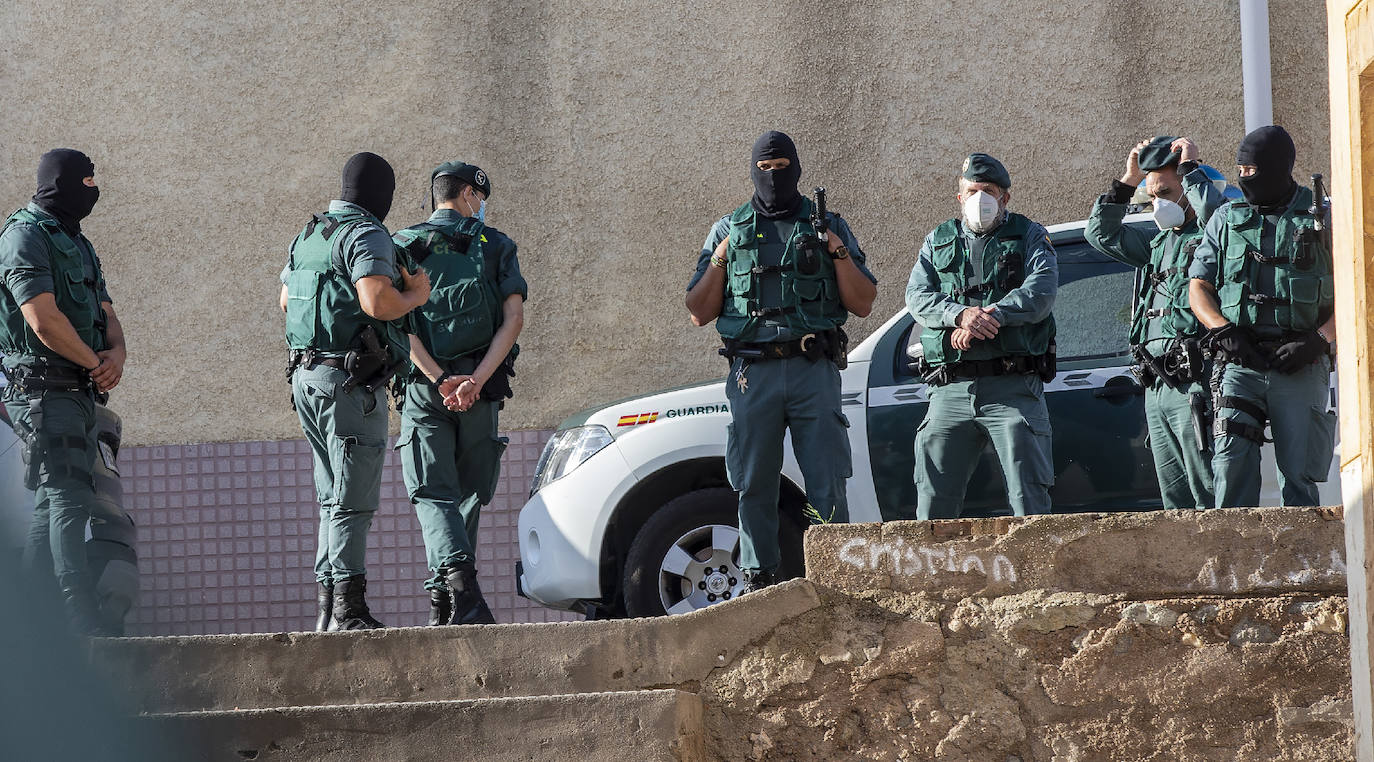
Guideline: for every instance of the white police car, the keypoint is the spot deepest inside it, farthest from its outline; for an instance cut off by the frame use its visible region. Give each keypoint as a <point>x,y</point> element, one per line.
<point>630,512</point>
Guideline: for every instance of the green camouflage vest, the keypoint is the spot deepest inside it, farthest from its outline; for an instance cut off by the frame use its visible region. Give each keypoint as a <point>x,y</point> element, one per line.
<point>810,302</point>
<point>464,307</point>
<point>322,309</point>
<point>950,257</point>
<point>77,298</point>
<point>1300,295</point>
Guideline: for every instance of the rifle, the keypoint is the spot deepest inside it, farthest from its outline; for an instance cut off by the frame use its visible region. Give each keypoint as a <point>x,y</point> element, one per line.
<point>813,247</point>
<point>1321,210</point>
<point>818,217</point>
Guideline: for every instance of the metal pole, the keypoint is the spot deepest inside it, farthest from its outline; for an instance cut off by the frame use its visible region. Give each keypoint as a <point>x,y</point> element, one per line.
<point>1254,64</point>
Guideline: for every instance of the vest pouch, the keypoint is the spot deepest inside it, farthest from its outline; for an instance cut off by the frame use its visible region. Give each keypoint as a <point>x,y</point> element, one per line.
<point>1180,321</point>
<point>934,344</point>
<point>942,254</point>
<point>459,318</point>
<point>1304,293</point>
<point>1014,340</point>
<point>76,285</point>
<point>302,307</point>
<point>742,276</point>
<point>814,294</point>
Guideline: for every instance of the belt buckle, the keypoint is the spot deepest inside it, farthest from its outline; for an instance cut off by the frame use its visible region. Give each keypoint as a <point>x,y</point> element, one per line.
<point>1008,365</point>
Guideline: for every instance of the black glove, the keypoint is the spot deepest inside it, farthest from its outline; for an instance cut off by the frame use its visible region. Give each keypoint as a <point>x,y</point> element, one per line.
<point>1235,343</point>
<point>1298,354</point>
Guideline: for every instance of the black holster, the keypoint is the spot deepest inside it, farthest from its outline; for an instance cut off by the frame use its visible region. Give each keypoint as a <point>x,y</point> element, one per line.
<point>366,362</point>
<point>1199,402</point>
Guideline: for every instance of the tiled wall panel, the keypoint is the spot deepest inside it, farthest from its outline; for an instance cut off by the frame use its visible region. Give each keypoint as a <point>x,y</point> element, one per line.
<point>227,539</point>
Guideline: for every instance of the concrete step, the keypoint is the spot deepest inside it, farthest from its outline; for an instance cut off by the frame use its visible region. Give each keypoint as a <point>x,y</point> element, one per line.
<point>423,664</point>
<point>638,725</point>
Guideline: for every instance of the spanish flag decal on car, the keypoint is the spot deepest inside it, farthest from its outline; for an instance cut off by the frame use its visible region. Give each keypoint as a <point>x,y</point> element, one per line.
<point>637,419</point>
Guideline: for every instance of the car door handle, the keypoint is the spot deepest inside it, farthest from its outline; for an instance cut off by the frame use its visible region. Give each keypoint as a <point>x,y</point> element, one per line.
<point>1119,386</point>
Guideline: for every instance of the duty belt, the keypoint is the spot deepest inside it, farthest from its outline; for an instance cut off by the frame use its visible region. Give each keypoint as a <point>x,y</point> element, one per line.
<point>1018,365</point>
<point>50,378</point>
<point>306,358</point>
<point>813,346</point>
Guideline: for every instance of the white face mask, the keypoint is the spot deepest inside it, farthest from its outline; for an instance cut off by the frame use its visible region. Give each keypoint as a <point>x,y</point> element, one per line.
<point>981,211</point>
<point>1167,214</point>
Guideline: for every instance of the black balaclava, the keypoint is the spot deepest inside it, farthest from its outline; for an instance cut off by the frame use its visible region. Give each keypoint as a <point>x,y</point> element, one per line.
<point>1270,150</point>
<point>61,191</point>
<point>775,192</point>
<point>369,182</point>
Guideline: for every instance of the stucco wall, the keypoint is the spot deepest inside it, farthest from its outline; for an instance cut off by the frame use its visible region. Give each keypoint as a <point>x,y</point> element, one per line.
<point>614,134</point>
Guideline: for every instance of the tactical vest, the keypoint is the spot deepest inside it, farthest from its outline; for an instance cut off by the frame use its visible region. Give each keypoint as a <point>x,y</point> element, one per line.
<point>464,307</point>
<point>810,301</point>
<point>1292,289</point>
<point>322,309</point>
<point>1166,275</point>
<point>951,259</point>
<point>77,298</point>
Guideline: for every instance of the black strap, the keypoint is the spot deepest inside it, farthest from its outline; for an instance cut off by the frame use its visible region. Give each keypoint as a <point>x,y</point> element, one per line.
<point>1160,276</point>
<point>1244,406</point>
<point>327,225</point>
<point>1226,426</point>
<point>767,312</point>
<point>765,269</point>
<point>978,290</point>
<point>1264,300</point>
<point>1001,366</point>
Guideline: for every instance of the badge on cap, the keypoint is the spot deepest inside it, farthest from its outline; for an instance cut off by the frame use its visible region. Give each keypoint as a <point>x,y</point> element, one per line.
<point>480,177</point>
<point>967,161</point>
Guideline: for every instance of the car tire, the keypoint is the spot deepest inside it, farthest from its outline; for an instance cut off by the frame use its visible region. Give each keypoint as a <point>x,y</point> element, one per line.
<point>688,523</point>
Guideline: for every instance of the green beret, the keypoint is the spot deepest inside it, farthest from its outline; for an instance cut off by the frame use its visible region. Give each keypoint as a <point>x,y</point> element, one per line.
<point>1157,154</point>
<point>468,173</point>
<point>981,168</point>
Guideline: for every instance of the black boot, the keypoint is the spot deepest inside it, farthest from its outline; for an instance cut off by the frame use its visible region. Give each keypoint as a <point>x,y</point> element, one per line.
<point>325,596</point>
<point>468,605</point>
<point>440,606</point>
<point>755,580</point>
<point>83,613</point>
<point>350,605</point>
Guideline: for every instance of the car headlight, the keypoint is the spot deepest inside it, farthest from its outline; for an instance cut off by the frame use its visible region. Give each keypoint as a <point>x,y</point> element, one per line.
<point>566,451</point>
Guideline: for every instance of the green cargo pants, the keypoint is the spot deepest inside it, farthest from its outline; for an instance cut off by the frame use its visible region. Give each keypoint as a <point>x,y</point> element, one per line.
<point>1183,470</point>
<point>1304,434</point>
<point>65,496</point>
<point>347,436</point>
<point>451,462</point>
<point>963,416</point>
<point>768,398</point>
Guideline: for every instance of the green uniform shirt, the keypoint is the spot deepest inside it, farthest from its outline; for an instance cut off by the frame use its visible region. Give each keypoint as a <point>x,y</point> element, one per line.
<point>26,266</point>
<point>1029,303</point>
<point>508,278</point>
<point>366,249</point>
<point>776,235</point>
<point>1107,233</point>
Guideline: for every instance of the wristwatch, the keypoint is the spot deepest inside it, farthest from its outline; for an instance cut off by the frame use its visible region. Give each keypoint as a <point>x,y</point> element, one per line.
<point>840,253</point>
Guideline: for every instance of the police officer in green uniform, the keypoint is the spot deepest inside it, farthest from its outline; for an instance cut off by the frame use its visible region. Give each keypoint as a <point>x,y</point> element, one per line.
<point>1262,283</point>
<point>982,290</point>
<point>779,294</point>
<point>345,295</point>
<point>462,348</point>
<point>1164,334</point>
<point>63,352</point>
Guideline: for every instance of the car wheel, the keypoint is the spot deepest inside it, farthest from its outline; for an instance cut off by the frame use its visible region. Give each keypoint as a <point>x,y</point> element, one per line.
<point>686,556</point>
